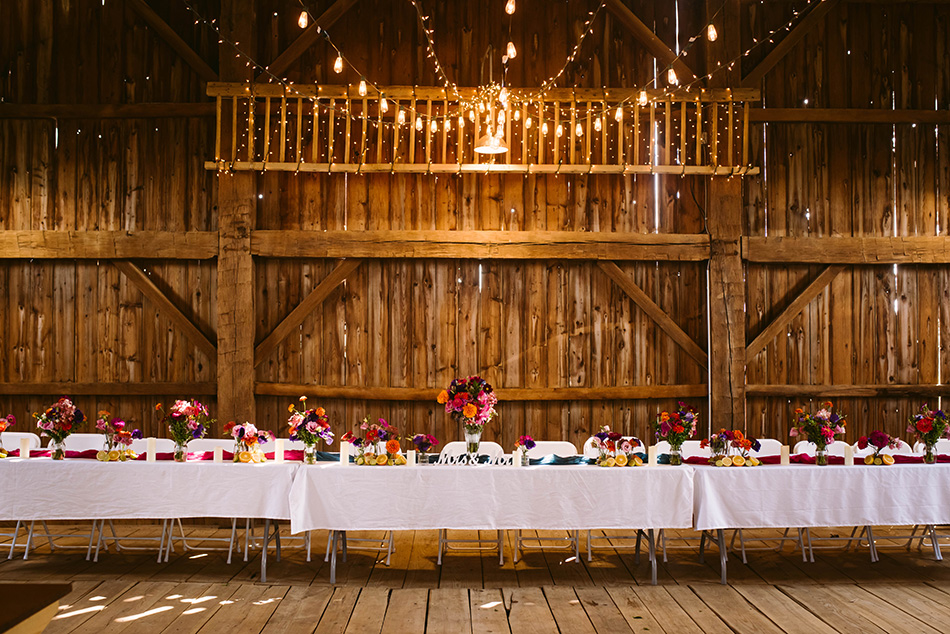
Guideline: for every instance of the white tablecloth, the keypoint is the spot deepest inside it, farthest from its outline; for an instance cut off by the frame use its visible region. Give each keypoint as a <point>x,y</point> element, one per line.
<point>40,488</point>
<point>331,496</point>
<point>808,496</point>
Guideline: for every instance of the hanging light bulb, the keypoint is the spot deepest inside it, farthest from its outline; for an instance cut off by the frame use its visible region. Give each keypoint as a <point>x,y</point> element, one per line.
<point>527,122</point>
<point>618,115</point>
<point>711,34</point>
<point>401,116</point>
<point>544,128</point>
<point>303,20</point>
<point>384,105</point>
<point>503,96</point>
<point>501,117</point>
<point>434,126</point>
<point>362,89</point>
<point>597,125</point>
<point>559,131</point>
<point>579,130</point>
<point>481,106</point>
<point>448,124</point>
<point>512,51</point>
<point>642,99</point>
<point>461,122</point>
<point>419,124</point>
<point>510,7</point>
<point>517,115</point>
<point>471,116</point>
<point>499,131</point>
<point>671,77</point>
<point>338,65</point>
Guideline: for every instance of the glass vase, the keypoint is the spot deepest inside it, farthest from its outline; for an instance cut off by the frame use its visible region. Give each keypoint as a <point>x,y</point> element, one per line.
<point>310,454</point>
<point>676,456</point>
<point>181,452</point>
<point>821,457</point>
<point>525,461</point>
<point>57,449</point>
<point>473,438</point>
<point>930,454</point>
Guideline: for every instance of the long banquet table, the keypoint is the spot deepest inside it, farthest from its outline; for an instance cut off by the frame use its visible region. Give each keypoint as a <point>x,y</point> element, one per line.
<point>489,497</point>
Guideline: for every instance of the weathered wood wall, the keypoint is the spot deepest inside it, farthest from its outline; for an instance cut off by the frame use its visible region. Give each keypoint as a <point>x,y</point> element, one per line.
<point>419,322</point>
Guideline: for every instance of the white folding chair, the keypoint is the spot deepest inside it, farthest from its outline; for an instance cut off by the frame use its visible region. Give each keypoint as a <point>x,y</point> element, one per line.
<point>767,447</point>
<point>11,441</point>
<point>542,448</point>
<point>451,453</point>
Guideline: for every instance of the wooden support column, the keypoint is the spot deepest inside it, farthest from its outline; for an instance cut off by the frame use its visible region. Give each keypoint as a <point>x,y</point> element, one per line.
<point>726,284</point>
<point>236,211</point>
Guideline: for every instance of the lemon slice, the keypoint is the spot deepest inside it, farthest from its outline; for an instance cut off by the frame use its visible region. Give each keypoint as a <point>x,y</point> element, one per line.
<point>359,460</point>
<point>400,460</point>
<point>611,462</point>
<point>728,462</point>
<point>369,458</point>
<point>738,461</point>
<point>637,461</point>
<point>869,459</point>
<point>102,456</point>
<point>244,456</point>
<point>878,461</point>
<point>381,459</point>
<point>754,462</point>
<point>888,459</point>
<point>621,460</point>
<point>719,462</point>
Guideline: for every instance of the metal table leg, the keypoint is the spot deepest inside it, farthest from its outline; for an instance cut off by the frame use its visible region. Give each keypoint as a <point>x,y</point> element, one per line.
<point>333,540</point>
<point>723,553</point>
<point>651,540</point>
<point>264,551</point>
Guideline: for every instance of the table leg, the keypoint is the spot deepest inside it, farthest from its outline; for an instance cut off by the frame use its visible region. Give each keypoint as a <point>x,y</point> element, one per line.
<point>936,544</point>
<point>277,538</point>
<point>343,537</point>
<point>333,538</point>
<point>651,540</point>
<point>723,554</point>
<point>702,547</point>
<point>264,551</point>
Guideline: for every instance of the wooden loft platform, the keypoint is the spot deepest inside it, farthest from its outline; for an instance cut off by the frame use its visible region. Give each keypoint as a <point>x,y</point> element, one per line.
<point>841,592</point>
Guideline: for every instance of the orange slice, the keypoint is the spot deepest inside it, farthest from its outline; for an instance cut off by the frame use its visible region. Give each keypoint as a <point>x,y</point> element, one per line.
<point>244,456</point>
<point>102,456</point>
<point>621,460</point>
<point>113,455</point>
<point>738,461</point>
<point>869,459</point>
<point>754,462</point>
<point>888,459</point>
<point>637,461</point>
<point>381,459</point>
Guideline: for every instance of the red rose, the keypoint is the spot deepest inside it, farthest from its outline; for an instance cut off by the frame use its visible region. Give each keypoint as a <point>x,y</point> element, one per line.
<point>924,425</point>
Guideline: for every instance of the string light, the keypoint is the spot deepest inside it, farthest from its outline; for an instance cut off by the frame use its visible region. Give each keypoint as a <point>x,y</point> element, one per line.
<point>527,122</point>
<point>338,65</point>
<point>711,34</point>
<point>618,115</point>
<point>433,125</point>
<point>471,116</point>
<point>671,77</point>
<point>448,124</point>
<point>597,124</point>
<point>501,116</point>
<point>303,20</point>
<point>544,128</point>
<point>461,122</point>
<point>362,88</point>
<point>510,7</point>
<point>559,131</point>
<point>401,117</point>
<point>642,99</point>
<point>384,105</point>
<point>517,115</point>
<point>512,52</point>
<point>579,130</point>
<point>419,124</point>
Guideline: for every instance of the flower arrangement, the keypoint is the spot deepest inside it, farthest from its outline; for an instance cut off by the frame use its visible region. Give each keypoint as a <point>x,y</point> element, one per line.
<point>523,445</point>
<point>187,421</point>
<point>470,401</point>
<point>117,445</point>
<point>247,441</point>
<point>614,451</point>
<point>379,444</point>
<point>819,428</point>
<point>676,428</point>
<point>423,443</point>
<point>309,426</point>
<point>57,423</point>
<point>928,426</point>
<point>879,441</point>
<point>5,423</point>
<point>730,448</point>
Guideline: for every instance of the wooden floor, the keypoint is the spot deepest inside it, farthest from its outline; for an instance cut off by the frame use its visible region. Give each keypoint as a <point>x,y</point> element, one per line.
<point>544,592</point>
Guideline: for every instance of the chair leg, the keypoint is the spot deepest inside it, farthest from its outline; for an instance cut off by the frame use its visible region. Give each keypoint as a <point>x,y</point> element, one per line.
<point>636,553</point>
<point>663,537</point>
<point>934,542</point>
<point>330,539</point>
<point>871,544</point>
<point>811,547</point>
<point>442,540</point>
<point>588,545</point>
<point>501,548</point>
<point>277,538</point>
<point>517,545</point>
<point>801,544</point>
<point>389,547</point>
<point>702,547</point>
<point>742,546</point>
<point>247,533</point>
<point>913,532</point>
<point>16,533</point>
<point>306,539</point>
<point>29,540</point>
<point>231,541</point>
<point>49,537</point>
<point>101,524</point>
<point>651,540</point>
<point>577,547</point>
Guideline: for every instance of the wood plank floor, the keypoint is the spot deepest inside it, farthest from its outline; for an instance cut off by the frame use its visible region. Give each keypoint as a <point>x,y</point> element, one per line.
<point>907,591</point>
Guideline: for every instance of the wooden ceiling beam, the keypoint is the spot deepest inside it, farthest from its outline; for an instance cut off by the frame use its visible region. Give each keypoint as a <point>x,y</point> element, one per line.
<point>810,21</point>
<point>649,39</point>
<point>796,306</point>
<point>101,245</point>
<point>533,394</point>
<point>58,388</point>
<point>304,308</point>
<point>657,314</point>
<point>148,288</point>
<point>306,39</point>
<point>848,250</point>
<point>174,40</point>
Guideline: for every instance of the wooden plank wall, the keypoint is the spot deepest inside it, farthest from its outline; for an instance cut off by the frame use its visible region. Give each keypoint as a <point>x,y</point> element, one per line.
<point>874,325</point>
<point>420,322</point>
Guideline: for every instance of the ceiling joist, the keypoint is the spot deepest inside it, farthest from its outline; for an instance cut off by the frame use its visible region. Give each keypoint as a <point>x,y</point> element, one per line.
<point>174,40</point>
<point>649,39</point>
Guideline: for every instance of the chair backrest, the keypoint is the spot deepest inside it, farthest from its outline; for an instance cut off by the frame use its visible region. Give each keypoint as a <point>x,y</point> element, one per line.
<point>692,448</point>
<point>208,444</point>
<point>834,449</point>
<point>162,445</point>
<point>662,447</point>
<point>560,448</point>
<point>84,442</point>
<point>11,439</point>
<point>943,446</point>
<point>903,449</point>
<point>768,447</point>
<point>453,450</point>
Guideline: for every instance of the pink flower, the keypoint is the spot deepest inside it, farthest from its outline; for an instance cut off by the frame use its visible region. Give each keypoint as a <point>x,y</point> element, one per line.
<point>793,432</point>
<point>313,427</point>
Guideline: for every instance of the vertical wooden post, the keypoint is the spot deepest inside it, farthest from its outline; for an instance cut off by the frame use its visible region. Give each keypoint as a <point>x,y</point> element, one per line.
<point>235,297</point>
<point>726,285</point>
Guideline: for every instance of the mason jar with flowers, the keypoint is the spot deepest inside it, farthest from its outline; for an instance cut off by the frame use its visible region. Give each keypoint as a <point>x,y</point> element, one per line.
<point>424,443</point>
<point>819,429</point>
<point>471,402</point>
<point>606,441</point>
<point>187,421</point>
<point>878,441</point>
<point>57,424</point>
<point>117,440</point>
<point>928,426</point>
<point>309,426</point>
<point>675,428</point>
<point>248,441</point>
<point>523,445</point>
<point>719,445</point>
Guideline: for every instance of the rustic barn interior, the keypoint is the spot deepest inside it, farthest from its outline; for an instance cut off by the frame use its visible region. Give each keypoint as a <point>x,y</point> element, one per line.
<point>742,205</point>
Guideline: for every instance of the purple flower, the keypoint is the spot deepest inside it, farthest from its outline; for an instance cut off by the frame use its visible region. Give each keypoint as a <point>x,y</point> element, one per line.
<point>137,434</point>
<point>198,432</point>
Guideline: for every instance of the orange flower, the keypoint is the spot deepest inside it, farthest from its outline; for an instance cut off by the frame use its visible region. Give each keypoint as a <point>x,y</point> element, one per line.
<point>392,446</point>
<point>469,411</point>
<point>320,411</point>
<point>443,398</point>
<point>249,440</point>
<point>3,425</point>
<point>290,407</point>
<point>158,406</point>
<point>739,436</point>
